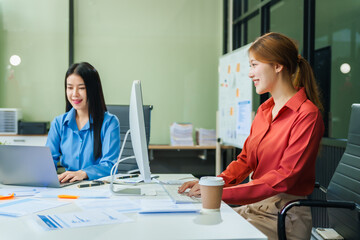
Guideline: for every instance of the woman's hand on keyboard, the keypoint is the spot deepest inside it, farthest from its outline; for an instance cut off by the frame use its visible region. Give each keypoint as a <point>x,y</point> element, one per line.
<point>72,176</point>
<point>194,188</point>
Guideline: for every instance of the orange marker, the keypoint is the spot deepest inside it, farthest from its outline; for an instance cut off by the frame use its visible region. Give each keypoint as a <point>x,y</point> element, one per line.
<point>12,196</point>
<point>231,111</point>
<point>229,69</point>
<point>237,92</point>
<point>68,196</point>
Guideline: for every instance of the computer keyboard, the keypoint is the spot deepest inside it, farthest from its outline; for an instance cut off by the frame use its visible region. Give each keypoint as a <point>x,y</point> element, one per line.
<point>172,191</point>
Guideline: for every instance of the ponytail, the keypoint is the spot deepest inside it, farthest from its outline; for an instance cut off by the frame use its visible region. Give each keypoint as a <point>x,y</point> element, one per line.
<point>304,77</point>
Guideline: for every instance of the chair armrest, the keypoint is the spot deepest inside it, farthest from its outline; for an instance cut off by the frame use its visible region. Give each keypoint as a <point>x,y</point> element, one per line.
<point>310,203</point>
<point>321,187</point>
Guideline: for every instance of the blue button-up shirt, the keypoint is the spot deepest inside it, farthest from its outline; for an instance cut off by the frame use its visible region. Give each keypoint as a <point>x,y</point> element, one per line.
<point>75,149</point>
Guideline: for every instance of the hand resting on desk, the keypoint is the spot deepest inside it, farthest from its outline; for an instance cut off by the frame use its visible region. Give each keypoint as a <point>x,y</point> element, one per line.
<point>194,188</point>
<point>72,176</point>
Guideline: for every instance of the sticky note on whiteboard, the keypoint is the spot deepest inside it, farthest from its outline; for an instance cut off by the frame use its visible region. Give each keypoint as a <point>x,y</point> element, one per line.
<point>238,67</point>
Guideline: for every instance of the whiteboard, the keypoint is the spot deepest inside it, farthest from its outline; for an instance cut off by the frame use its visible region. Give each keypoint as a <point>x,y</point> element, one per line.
<point>235,98</point>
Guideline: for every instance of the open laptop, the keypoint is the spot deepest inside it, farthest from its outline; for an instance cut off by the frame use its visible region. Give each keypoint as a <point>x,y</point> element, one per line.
<point>28,166</point>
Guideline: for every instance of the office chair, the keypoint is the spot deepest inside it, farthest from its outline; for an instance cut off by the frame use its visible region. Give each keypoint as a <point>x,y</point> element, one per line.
<point>343,193</point>
<point>122,113</point>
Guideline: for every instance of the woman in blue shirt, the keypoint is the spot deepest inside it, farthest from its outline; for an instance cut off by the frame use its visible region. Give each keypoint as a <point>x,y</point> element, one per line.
<point>86,139</point>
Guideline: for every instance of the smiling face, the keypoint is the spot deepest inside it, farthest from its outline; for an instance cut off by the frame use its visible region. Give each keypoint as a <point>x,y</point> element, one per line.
<point>262,74</point>
<point>76,92</point>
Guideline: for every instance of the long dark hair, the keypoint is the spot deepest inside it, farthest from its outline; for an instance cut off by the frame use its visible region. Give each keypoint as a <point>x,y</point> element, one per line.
<point>278,48</point>
<point>95,99</point>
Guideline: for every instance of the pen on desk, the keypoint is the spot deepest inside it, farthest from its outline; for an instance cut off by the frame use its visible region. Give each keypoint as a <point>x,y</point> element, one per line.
<point>130,176</point>
<point>64,196</point>
<point>93,184</point>
<point>7,197</point>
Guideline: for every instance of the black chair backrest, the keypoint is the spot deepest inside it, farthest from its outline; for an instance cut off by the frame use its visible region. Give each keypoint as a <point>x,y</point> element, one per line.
<point>345,183</point>
<point>122,113</point>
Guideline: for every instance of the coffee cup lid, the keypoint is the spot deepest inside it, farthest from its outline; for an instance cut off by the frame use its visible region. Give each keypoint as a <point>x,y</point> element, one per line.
<point>211,181</point>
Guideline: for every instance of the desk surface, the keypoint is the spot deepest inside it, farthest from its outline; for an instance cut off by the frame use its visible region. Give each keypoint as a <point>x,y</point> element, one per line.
<point>226,224</point>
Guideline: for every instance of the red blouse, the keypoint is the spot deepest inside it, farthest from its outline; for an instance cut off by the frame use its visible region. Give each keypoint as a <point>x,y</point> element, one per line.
<point>281,153</point>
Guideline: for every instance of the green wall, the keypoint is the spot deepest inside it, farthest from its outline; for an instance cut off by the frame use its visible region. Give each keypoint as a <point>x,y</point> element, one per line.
<point>171,46</point>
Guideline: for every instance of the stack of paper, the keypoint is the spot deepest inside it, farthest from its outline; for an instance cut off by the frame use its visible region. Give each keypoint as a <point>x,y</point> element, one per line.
<point>181,134</point>
<point>206,137</point>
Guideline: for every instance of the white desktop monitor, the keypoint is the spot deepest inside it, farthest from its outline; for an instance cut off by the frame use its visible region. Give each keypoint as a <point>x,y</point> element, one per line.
<point>137,131</point>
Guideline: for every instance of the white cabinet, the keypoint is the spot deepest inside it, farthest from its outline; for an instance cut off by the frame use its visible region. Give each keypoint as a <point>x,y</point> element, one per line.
<point>28,140</point>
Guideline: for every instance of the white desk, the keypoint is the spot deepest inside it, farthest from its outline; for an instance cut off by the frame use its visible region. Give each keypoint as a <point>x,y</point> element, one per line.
<point>226,224</point>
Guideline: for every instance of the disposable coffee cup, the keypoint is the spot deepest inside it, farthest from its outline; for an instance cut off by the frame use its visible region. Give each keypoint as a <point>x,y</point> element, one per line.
<point>211,189</point>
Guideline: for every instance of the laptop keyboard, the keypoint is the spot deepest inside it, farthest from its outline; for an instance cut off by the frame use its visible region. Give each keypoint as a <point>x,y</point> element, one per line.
<point>172,191</point>
<point>68,183</point>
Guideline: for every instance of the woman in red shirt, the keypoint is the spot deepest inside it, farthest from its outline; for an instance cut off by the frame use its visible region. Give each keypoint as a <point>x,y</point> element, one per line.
<point>281,149</point>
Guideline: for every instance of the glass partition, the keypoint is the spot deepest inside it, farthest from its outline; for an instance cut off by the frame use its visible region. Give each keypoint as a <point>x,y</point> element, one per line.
<point>337,38</point>
<point>287,17</point>
<point>33,56</point>
<point>173,47</point>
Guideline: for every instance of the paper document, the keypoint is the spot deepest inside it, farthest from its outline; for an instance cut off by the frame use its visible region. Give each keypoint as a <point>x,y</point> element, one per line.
<point>167,206</point>
<point>21,192</point>
<point>80,193</point>
<point>17,208</point>
<point>81,219</point>
<point>243,120</point>
<point>121,204</point>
